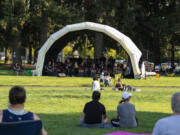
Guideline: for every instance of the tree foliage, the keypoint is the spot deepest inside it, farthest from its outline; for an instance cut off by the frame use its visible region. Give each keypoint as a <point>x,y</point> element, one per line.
<point>153,25</point>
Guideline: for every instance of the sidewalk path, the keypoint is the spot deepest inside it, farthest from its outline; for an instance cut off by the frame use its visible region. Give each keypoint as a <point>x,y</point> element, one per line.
<point>172,87</point>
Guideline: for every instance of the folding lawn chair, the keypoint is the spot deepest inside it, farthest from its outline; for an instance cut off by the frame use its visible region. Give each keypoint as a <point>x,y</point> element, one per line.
<point>31,127</point>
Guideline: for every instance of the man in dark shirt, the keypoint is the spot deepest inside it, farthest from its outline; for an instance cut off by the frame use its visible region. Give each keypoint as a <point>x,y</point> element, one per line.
<point>93,112</point>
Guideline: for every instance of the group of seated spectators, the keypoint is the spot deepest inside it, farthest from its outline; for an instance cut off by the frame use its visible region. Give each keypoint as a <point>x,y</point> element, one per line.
<point>106,81</point>
<point>94,113</point>
<point>83,67</point>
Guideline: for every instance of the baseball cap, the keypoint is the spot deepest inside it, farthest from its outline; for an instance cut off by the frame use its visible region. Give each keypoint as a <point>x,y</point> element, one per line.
<point>126,95</point>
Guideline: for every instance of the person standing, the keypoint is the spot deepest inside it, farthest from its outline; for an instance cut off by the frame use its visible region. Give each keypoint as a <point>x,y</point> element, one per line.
<point>170,125</point>
<point>107,80</point>
<point>102,77</point>
<point>94,112</point>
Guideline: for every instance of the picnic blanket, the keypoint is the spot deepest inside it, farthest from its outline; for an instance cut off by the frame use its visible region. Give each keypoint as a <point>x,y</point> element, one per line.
<point>126,133</point>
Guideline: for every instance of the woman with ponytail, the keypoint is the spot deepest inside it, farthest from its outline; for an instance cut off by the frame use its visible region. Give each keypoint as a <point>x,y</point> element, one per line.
<point>125,113</point>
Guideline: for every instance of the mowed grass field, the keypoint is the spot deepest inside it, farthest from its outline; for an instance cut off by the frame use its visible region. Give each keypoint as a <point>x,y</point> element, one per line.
<point>61,107</point>
<point>83,81</point>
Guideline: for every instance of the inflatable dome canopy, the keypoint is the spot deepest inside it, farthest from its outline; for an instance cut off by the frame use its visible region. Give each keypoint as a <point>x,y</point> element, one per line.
<point>126,43</point>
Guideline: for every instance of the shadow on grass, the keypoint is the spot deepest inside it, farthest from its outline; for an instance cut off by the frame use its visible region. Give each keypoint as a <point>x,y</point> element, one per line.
<point>86,85</point>
<point>67,96</point>
<point>69,124</point>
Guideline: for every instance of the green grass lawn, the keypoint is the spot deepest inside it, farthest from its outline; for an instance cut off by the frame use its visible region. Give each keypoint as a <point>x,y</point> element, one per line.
<point>82,82</point>
<point>60,107</point>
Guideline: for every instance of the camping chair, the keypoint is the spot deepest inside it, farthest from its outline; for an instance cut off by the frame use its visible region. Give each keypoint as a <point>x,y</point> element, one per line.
<point>31,127</point>
<point>170,72</point>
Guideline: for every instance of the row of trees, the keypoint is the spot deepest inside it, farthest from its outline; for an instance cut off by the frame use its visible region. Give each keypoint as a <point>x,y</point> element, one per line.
<point>154,26</point>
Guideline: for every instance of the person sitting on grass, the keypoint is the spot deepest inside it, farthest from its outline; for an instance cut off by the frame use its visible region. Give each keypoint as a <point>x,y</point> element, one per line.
<point>94,111</point>
<point>15,111</point>
<point>95,84</point>
<point>123,87</point>
<point>125,113</point>
<point>170,125</point>
<point>50,69</point>
<point>17,68</point>
<point>119,85</point>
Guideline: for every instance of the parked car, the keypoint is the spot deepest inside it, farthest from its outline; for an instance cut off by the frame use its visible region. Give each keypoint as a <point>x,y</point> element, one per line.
<point>167,65</point>
<point>157,68</point>
<point>177,69</point>
<point>149,66</point>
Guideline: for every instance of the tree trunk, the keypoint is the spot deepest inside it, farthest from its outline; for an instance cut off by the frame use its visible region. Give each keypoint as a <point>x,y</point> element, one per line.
<point>17,49</point>
<point>43,36</point>
<point>30,55</point>
<point>62,55</point>
<point>6,55</point>
<point>44,28</point>
<point>156,47</point>
<point>98,47</point>
<point>35,55</point>
<point>172,55</point>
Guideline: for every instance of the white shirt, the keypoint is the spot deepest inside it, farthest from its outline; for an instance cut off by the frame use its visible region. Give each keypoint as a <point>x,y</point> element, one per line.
<point>167,126</point>
<point>108,78</point>
<point>95,85</point>
<point>102,77</point>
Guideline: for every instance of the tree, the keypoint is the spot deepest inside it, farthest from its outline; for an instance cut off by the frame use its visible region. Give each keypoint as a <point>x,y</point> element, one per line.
<point>152,27</point>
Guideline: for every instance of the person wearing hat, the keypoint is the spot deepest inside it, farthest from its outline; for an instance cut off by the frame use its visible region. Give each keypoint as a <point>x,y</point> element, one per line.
<point>125,112</point>
<point>94,112</point>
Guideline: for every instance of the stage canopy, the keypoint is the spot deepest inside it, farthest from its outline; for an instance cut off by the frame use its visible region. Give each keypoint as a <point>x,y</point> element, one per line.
<point>126,43</point>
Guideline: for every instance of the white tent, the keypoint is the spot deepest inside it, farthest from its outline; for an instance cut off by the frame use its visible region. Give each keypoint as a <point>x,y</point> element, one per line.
<point>125,41</point>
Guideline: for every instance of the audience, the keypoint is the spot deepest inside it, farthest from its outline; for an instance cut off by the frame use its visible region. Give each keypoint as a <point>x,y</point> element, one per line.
<point>125,113</point>
<point>170,125</point>
<point>82,67</point>
<point>94,111</point>
<point>15,111</point>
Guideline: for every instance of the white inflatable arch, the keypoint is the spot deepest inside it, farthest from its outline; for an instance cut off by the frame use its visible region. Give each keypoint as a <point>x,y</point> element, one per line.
<point>125,41</point>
